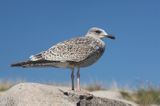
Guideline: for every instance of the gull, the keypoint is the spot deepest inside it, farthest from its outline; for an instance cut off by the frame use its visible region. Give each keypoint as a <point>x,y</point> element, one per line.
<point>73,53</point>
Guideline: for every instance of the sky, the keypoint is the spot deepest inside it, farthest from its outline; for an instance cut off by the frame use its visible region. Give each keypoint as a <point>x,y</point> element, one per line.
<point>28,27</point>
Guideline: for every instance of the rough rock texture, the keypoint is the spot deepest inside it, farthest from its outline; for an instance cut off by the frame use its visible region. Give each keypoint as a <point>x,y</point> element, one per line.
<point>114,95</point>
<point>33,94</point>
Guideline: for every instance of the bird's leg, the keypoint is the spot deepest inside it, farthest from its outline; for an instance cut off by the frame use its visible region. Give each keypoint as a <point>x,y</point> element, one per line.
<point>72,77</point>
<point>78,79</point>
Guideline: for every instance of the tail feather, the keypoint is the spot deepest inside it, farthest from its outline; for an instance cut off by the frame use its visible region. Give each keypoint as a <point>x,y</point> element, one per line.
<point>19,64</point>
<point>39,63</point>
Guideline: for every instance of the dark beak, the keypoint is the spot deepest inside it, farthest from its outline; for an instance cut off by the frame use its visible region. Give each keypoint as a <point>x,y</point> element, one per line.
<point>110,36</point>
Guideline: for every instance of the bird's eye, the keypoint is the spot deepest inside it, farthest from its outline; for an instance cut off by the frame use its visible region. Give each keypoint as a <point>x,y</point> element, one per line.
<point>98,32</point>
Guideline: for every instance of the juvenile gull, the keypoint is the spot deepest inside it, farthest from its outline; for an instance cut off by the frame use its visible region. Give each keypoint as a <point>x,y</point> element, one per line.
<point>74,53</point>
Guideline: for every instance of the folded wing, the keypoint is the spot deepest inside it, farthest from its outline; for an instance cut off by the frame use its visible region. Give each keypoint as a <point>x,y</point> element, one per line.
<point>76,50</point>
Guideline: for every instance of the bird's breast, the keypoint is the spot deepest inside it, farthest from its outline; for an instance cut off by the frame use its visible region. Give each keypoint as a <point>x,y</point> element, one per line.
<point>92,58</point>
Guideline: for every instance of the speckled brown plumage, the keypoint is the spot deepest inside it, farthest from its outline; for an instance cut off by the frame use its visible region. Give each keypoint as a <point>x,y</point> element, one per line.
<point>75,50</point>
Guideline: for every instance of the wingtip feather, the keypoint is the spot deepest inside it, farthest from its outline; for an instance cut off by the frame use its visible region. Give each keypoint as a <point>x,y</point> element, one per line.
<point>18,64</point>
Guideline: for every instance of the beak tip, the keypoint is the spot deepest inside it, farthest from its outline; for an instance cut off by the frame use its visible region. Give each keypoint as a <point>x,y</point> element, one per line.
<point>111,37</point>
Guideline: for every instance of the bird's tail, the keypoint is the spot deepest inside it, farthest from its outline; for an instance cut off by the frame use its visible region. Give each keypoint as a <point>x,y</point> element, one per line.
<point>38,63</point>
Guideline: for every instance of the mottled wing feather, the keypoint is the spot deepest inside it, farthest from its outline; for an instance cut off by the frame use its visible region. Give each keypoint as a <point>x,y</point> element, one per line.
<point>76,50</point>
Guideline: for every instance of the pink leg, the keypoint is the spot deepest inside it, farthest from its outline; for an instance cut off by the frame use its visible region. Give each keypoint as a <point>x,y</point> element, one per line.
<point>72,77</point>
<point>78,79</point>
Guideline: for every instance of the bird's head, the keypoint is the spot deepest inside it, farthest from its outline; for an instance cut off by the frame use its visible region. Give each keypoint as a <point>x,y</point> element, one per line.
<point>98,33</point>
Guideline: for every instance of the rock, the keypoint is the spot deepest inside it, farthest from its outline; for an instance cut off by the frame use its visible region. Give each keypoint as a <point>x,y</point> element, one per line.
<point>114,95</point>
<point>34,94</point>
<point>107,94</point>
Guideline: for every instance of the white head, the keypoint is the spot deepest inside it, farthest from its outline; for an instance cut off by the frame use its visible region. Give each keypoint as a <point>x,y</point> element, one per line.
<point>98,33</point>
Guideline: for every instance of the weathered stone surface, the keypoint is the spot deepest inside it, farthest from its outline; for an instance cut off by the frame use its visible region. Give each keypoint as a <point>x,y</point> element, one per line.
<point>34,94</point>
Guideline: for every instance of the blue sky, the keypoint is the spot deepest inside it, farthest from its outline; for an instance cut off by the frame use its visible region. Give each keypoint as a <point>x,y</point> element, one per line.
<point>30,26</point>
